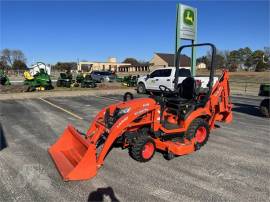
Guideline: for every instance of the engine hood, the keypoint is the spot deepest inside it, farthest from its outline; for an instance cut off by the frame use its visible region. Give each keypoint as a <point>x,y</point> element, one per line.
<point>137,103</point>
<point>142,78</point>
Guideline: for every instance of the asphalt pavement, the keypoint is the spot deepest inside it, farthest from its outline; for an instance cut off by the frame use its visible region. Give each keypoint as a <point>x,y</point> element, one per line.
<point>233,166</point>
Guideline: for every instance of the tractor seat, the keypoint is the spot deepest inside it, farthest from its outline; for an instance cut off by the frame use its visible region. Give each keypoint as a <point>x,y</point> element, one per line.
<point>187,93</point>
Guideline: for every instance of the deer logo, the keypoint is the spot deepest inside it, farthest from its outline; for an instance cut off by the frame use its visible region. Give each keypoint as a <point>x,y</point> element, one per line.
<point>189,17</point>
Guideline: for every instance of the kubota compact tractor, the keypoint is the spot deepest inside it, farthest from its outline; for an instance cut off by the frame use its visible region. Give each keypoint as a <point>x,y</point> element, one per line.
<point>177,122</point>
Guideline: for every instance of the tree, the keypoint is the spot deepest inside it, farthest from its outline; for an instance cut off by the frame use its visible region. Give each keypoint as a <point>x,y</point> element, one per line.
<point>219,61</point>
<point>3,64</point>
<point>132,61</point>
<point>261,66</point>
<point>257,56</point>
<point>233,67</point>
<point>226,54</point>
<point>233,60</point>
<point>144,63</point>
<point>8,57</point>
<point>18,55</point>
<point>65,66</point>
<point>18,64</point>
<point>245,58</point>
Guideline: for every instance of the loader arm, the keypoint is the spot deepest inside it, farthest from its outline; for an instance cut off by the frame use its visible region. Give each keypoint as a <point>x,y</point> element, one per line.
<point>78,156</point>
<point>119,127</point>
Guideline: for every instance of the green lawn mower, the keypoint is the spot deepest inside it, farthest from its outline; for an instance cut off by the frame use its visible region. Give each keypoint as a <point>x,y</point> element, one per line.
<point>265,104</point>
<point>64,80</point>
<point>119,79</point>
<point>4,80</point>
<point>79,78</point>
<point>130,81</point>
<point>88,82</point>
<point>40,81</point>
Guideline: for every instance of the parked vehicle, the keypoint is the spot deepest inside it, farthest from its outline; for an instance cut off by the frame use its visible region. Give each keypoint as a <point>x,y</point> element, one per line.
<point>4,80</point>
<point>119,79</point>
<point>265,104</point>
<point>130,81</point>
<point>88,82</point>
<point>165,76</point>
<point>40,81</point>
<point>102,76</point>
<point>64,80</point>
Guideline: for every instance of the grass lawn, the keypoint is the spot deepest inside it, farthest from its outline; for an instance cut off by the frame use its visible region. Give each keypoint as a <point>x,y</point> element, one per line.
<point>244,82</point>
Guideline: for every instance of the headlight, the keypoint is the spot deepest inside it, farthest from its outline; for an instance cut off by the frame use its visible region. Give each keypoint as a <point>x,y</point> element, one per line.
<point>124,110</point>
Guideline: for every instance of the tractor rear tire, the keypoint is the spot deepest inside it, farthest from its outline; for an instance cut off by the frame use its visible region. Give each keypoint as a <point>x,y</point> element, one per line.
<point>265,108</point>
<point>143,149</point>
<point>198,129</point>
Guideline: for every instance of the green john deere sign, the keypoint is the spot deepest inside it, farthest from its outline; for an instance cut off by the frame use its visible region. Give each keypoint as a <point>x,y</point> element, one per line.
<point>186,28</point>
<point>188,17</point>
<point>187,22</point>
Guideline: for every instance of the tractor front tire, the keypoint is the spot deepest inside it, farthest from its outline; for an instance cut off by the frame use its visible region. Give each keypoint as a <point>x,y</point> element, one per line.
<point>265,108</point>
<point>143,149</point>
<point>198,129</point>
<point>141,88</point>
<point>169,156</point>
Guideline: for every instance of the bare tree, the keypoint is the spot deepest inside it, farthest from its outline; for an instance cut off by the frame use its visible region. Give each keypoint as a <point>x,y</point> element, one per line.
<point>8,57</point>
<point>18,55</point>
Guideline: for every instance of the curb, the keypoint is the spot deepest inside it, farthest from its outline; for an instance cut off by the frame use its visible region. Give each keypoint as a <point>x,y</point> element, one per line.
<point>42,94</point>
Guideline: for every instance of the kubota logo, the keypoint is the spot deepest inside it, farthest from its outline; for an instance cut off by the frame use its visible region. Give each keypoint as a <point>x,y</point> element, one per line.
<point>189,17</point>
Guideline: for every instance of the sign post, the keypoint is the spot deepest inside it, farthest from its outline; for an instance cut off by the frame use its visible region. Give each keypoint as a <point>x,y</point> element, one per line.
<point>186,28</point>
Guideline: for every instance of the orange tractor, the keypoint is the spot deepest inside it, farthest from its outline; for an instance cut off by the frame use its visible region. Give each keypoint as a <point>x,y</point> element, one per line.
<point>176,123</point>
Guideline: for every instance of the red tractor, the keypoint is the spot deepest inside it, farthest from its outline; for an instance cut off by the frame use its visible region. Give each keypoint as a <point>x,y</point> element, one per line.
<point>177,123</point>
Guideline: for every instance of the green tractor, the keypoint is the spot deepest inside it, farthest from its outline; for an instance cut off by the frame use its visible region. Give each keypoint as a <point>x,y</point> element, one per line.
<point>40,81</point>
<point>87,82</point>
<point>265,104</point>
<point>79,79</point>
<point>119,79</point>
<point>64,80</point>
<point>130,81</point>
<point>4,80</point>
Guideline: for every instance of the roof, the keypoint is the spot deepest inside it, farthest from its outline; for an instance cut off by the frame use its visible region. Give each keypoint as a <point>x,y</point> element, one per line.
<point>169,58</point>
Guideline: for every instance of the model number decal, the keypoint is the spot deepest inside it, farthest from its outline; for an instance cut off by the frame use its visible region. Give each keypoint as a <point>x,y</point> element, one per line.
<point>141,111</point>
<point>121,122</point>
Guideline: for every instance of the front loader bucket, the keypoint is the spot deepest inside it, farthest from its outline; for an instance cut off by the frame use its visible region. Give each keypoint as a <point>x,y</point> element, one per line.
<point>74,156</point>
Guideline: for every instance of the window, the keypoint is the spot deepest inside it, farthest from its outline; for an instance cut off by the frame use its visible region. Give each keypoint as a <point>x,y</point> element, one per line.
<point>184,72</point>
<point>165,72</point>
<point>161,73</point>
<point>154,74</point>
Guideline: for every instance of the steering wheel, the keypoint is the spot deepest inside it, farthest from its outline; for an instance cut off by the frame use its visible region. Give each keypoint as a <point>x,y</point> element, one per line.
<point>165,89</point>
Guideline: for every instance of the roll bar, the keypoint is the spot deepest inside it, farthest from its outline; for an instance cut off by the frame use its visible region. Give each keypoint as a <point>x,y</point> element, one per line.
<point>212,69</point>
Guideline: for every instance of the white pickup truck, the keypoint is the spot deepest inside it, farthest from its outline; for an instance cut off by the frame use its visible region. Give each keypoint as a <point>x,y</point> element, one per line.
<point>165,76</point>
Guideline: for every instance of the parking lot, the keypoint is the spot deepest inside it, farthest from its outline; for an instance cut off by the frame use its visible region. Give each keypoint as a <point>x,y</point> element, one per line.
<point>233,166</point>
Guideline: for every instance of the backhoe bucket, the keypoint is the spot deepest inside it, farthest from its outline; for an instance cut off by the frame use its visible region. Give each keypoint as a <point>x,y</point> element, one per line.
<point>74,156</point>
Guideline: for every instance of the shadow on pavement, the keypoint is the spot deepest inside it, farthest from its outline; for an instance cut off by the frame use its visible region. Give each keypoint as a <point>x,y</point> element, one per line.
<point>247,109</point>
<point>98,195</point>
<point>3,142</point>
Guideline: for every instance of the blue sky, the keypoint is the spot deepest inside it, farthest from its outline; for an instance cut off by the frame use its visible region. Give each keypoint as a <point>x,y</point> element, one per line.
<point>90,30</point>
